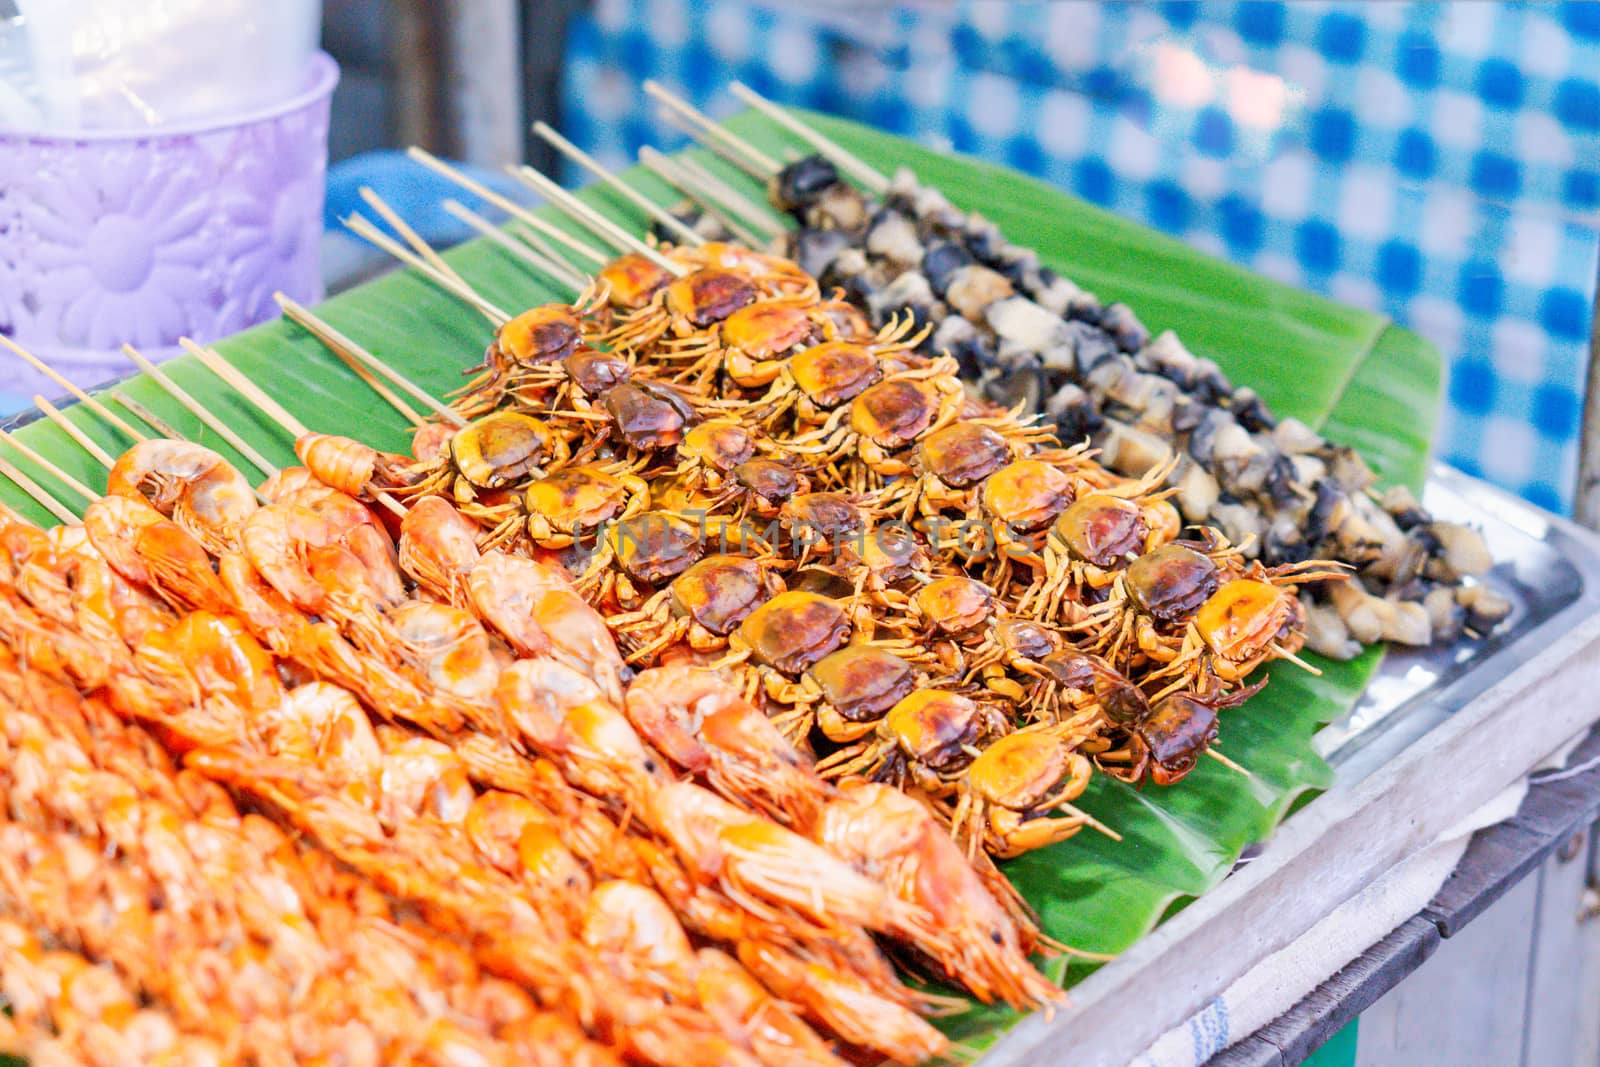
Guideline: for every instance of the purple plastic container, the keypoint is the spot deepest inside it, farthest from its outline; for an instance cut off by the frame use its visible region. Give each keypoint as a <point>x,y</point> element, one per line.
<point>143,237</point>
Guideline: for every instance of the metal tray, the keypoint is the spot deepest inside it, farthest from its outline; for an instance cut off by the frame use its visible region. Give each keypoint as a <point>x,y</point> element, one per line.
<point>1547,567</point>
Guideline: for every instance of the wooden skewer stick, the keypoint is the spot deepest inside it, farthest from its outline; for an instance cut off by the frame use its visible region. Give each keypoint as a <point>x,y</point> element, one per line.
<point>1090,821</point>
<point>1283,653</point>
<point>214,362</point>
<point>150,418</point>
<point>638,199</point>
<point>759,216</point>
<point>411,236</point>
<point>540,262</point>
<point>866,175</point>
<point>667,169</point>
<point>320,330</point>
<point>36,492</point>
<point>533,240</point>
<point>602,226</point>
<point>333,338</point>
<point>72,430</point>
<point>50,468</point>
<point>78,394</point>
<point>757,158</point>
<point>510,207</point>
<point>1228,763</point>
<point>714,146</point>
<point>364,228</point>
<point>193,406</point>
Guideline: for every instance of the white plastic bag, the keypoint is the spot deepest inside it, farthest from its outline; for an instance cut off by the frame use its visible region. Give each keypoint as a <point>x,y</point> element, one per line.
<point>122,64</point>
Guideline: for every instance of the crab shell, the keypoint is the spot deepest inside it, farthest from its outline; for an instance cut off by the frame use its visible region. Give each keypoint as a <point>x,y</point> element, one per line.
<point>963,455</point>
<point>648,419</point>
<point>956,604</point>
<point>1103,531</point>
<point>767,329</point>
<point>499,449</point>
<point>594,372</point>
<point>894,413</point>
<point>1028,494</point>
<point>720,592</point>
<point>1025,771</point>
<point>833,372</point>
<point>1171,583</point>
<point>633,279</point>
<point>863,682</point>
<point>576,498</point>
<point>709,295</point>
<point>794,630</point>
<point>655,546</point>
<point>935,727</point>
<point>721,444</point>
<point>1175,733</point>
<point>540,335</point>
<point>773,482</point>
<point>1240,620</point>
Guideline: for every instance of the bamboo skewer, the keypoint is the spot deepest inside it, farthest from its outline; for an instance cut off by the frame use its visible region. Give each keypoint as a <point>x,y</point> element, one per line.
<point>1228,763</point>
<point>638,199</point>
<point>214,362</point>
<point>364,228</point>
<point>866,175</point>
<point>715,146</point>
<point>409,235</point>
<point>78,394</point>
<point>50,468</point>
<point>1090,821</point>
<point>72,430</point>
<point>533,240</point>
<point>144,414</point>
<point>332,337</point>
<point>36,492</point>
<point>759,216</point>
<point>349,359</point>
<point>509,206</point>
<point>667,169</point>
<point>538,261</point>
<point>270,407</point>
<point>193,406</point>
<point>756,157</point>
<point>594,220</point>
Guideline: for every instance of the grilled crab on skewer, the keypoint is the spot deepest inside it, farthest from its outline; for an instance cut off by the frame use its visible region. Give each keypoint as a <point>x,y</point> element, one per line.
<point>952,464</point>
<point>844,694</point>
<point>923,743</point>
<point>1165,741</point>
<point>700,607</point>
<point>528,342</point>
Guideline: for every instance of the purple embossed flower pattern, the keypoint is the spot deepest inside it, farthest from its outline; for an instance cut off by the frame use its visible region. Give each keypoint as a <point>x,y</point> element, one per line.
<point>148,239</point>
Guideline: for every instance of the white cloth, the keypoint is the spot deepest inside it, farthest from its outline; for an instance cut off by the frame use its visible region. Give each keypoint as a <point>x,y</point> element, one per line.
<point>1281,980</point>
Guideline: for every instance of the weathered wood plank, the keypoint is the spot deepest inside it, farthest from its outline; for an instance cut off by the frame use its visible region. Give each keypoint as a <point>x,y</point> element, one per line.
<point>1561,954</point>
<point>1467,1005</point>
<point>1361,983</point>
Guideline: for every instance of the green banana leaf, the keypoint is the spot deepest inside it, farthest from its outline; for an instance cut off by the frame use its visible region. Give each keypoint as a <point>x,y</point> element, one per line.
<point>1367,382</point>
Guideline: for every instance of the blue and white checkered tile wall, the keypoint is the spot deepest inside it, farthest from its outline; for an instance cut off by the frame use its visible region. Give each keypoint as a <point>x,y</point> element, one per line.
<point>1437,163</point>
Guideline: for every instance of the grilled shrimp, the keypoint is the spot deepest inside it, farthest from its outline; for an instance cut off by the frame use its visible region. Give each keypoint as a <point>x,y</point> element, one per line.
<point>894,840</point>
<point>699,720</point>
<point>565,715</point>
<point>535,608</point>
<point>438,549</point>
<point>857,1015</point>
<point>449,648</point>
<point>770,868</point>
<point>188,483</point>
